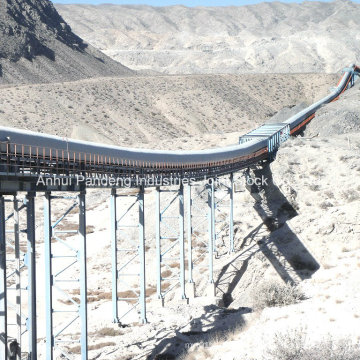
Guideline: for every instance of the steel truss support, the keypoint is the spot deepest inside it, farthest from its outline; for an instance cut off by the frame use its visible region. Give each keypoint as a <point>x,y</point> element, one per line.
<point>17,262</point>
<point>17,272</point>
<point>31,264</point>
<point>231,214</point>
<point>70,252</point>
<point>170,248</point>
<point>132,254</point>
<point>222,198</point>
<point>198,224</point>
<point>211,219</point>
<point>3,290</point>
<point>190,235</point>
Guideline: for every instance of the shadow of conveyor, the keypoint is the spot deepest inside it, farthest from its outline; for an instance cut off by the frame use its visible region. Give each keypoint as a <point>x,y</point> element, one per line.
<point>214,322</point>
<point>272,237</point>
<point>231,274</point>
<point>283,248</point>
<point>275,240</point>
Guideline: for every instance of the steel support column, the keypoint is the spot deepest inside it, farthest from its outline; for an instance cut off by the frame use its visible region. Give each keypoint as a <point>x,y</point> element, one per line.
<point>3,290</point>
<point>132,251</point>
<point>48,277</point>
<point>158,244</point>
<point>189,234</point>
<point>170,249</point>
<point>18,266</point>
<point>213,217</point>
<point>231,214</point>
<point>142,299</point>
<point>31,263</point>
<point>197,230</point>
<point>83,276</point>
<point>17,321</point>
<point>181,241</point>
<point>223,205</point>
<point>211,231</point>
<point>114,251</point>
<point>61,241</point>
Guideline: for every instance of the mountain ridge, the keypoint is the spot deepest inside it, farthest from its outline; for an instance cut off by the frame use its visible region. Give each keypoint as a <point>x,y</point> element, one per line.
<point>266,37</point>
<point>37,45</point>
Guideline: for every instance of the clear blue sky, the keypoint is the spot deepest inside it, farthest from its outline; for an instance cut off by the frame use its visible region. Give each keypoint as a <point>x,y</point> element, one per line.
<point>173,2</point>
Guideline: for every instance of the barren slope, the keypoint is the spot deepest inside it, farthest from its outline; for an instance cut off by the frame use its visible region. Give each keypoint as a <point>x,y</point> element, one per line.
<point>36,45</point>
<point>267,37</point>
<point>341,117</point>
<point>142,110</point>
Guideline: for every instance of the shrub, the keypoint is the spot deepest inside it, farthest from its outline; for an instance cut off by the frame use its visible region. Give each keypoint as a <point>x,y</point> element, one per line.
<point>350,196</point>
<point>108,331</point>
<point>288,346</point>
<point>269,294</point>
<point>325,204</point>
<point>314,187</point>
<point>291,345</point>
<point>77,349</point>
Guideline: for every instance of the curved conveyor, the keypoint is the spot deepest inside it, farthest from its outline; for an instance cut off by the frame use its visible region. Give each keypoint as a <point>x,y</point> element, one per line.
<point>26,153</point>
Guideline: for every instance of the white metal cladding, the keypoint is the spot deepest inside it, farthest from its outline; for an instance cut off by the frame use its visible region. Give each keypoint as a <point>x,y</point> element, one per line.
<point>275,133</point>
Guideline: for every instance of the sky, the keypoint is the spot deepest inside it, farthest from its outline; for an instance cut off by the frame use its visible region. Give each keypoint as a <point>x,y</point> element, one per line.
<point>174,2</point>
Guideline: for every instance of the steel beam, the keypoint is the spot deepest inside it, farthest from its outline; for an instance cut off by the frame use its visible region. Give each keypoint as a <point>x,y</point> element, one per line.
<point>170,246</point>
<point>181,241</point>
<point>18,266</point>
<point>197,228</point>
<point>114,251</point>
<point>223,198</point>
<point>3,290</point>
<point>132,251</point>
<point>48,277</point>
<point>15,264</point>
<point>83,276</point>
<point>212,217</point>
<point>31,263</point>
<point>68,255</point>
<point>189,234</point>
<point>142,299</point>
<point>211,231</point>
<point>158,244</point>
<point>231,215</point>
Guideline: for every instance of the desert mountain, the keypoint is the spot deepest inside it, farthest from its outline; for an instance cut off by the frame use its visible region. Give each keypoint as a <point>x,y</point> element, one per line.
<point>267,37</point>
<point>37,45</point>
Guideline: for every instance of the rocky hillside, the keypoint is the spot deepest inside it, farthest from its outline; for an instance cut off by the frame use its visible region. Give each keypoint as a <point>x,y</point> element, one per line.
<point>267,37</point>
<point>37,45</point>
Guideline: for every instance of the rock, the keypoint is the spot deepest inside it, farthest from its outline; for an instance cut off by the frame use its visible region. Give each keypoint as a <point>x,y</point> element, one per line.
<point>33,29</point>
